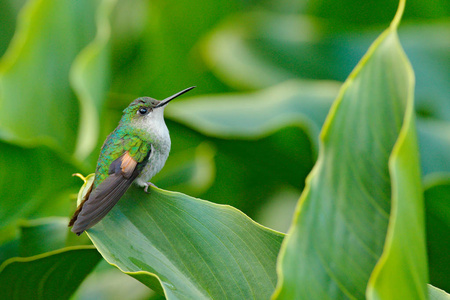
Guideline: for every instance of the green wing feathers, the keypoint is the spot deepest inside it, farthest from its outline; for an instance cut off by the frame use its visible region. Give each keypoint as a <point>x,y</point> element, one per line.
<point>118,142</point>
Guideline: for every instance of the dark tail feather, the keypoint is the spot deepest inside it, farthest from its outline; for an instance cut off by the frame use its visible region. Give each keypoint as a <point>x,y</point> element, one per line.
<point>77,212</point>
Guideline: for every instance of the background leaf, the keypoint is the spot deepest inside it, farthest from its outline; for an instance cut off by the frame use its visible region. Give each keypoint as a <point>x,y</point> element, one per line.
<point>89,77</point>
<point>31,185</point>
<point>42,235</point>
<point>191,171</point>
<point>250,116</point>
<point>434,138</point>
<point>46,268</point>
<point>8,13</point>
<point>52,275</point>
<point>437,199</point>
<point>28,56</point>
<point>149,53</point>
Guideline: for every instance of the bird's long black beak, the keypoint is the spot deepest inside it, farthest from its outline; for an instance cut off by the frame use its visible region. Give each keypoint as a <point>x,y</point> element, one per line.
<point>167,100</point>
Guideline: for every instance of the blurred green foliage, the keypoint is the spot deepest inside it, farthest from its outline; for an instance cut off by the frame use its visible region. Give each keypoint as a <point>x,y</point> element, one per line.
<point>266,73</point>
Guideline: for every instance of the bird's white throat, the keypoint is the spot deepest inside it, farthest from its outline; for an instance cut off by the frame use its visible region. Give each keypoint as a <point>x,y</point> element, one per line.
<point>159,137</point>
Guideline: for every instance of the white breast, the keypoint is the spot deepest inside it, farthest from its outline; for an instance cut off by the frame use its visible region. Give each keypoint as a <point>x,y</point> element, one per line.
<point>160,146</point>
<point>154,165</point>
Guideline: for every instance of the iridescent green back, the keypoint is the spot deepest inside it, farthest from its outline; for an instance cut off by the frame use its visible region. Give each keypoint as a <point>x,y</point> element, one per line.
<point>124,138</point>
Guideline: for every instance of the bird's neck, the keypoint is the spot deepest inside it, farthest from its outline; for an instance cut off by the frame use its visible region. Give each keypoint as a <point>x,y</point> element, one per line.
<point>155,133</point>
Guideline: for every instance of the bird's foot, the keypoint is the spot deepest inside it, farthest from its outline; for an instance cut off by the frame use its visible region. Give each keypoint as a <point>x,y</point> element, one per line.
<point>147,184</point>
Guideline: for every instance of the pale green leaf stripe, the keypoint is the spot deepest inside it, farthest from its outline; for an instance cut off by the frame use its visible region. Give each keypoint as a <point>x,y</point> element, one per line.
<point>402,271</point>
<point>89,79</point>
<point>340,224</point>
<point>194,248</point>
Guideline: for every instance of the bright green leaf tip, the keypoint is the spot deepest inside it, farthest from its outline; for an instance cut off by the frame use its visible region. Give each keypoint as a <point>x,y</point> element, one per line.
<point>88,181</point>
<point>398,15</point>
<point>42,255</point>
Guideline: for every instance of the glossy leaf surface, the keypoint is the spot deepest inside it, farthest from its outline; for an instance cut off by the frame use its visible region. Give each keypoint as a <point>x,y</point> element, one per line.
<point>193,248</point>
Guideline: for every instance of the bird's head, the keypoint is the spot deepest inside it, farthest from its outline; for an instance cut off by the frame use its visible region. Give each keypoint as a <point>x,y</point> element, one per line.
<point>146,111</point>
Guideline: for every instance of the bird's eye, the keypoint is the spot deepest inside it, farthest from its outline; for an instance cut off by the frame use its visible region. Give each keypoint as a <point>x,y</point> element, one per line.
<point>143,110</point>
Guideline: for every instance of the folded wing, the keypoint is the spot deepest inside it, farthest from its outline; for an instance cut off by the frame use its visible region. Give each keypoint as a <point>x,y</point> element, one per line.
<point>122,172</point>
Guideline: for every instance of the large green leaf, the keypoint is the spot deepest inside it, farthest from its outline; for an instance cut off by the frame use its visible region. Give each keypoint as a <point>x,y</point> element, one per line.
<point>192,248</point>
<point>35,95</point>
<point>363,199</point>
<point>52,275</point>
<point>45,268</point>
<point>37,238</point>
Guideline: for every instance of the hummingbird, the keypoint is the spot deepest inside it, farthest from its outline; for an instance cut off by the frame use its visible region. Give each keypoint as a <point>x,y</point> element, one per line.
<point>134,152</point>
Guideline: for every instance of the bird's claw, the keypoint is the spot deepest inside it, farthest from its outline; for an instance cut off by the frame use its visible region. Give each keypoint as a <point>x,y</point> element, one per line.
<point>147,184</point>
